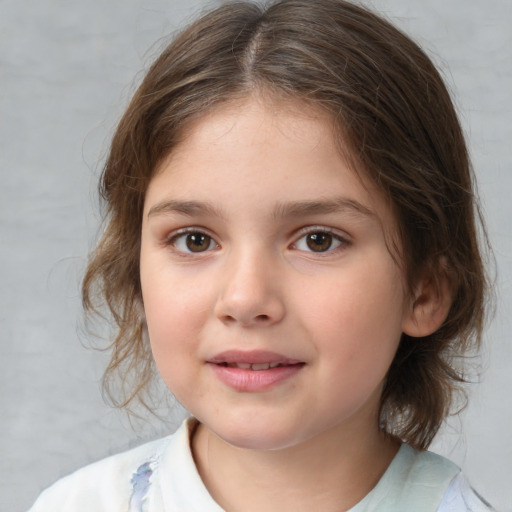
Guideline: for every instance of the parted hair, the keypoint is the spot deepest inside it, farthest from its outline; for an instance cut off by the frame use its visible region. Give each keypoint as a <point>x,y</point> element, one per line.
<point>392,110</point>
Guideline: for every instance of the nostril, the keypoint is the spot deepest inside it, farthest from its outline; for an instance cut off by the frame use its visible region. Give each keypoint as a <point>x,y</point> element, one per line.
<point>250,311</point>
<point>258,319</point>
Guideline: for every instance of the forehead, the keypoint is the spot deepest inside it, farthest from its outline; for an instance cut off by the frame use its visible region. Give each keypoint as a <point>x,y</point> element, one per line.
<point>273,149</point>
<point>257,118</point>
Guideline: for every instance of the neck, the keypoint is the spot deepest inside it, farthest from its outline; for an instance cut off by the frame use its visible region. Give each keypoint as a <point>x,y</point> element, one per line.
<point>331,472</point>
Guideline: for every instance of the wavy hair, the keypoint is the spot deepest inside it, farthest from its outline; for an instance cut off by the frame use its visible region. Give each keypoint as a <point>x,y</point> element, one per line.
<point>389,106</point>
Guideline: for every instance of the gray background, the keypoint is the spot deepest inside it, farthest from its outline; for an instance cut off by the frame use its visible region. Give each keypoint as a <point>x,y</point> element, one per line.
<point>67,69</point>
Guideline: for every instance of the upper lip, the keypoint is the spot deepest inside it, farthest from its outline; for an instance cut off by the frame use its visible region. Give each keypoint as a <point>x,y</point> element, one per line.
<point>251,357</point>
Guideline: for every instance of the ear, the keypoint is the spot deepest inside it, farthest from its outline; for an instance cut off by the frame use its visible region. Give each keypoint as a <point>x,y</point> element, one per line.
<point>431,302</point>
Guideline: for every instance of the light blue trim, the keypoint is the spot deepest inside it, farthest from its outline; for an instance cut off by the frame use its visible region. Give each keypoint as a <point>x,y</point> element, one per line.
<point>141,482</point>
<point>415,481</point>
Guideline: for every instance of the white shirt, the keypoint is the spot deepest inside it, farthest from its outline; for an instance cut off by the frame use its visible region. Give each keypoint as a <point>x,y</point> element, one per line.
<point>161,476</point>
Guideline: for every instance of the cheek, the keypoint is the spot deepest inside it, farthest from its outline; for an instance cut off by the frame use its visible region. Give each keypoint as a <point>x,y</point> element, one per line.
<point>173,326</point>
<point>366,301</point>
<point>176,310</point>
<point>358,319</point>
<point>173,297</point>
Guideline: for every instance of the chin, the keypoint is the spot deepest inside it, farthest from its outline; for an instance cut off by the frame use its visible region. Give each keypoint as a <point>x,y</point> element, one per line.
<point>259,442</point>
<point>256,435</point>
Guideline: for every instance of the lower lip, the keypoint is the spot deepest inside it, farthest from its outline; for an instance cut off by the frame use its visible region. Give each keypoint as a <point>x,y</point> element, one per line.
<point>254,380</point>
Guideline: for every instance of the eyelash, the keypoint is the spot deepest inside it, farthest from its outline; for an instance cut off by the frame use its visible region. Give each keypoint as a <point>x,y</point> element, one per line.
<point>342,241</point>
<point>315,230</point>
<point>183,233</point>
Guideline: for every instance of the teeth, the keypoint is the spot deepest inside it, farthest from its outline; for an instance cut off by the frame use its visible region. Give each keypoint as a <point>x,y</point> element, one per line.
<point>260,366</point>
<point>253,366</point>
<point>243,366</point>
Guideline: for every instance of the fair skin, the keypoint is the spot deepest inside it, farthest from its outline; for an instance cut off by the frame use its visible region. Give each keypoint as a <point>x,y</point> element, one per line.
<point>260,245</point>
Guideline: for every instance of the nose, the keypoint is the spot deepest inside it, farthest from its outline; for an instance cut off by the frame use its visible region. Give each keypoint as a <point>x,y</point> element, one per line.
<point>251,292</point>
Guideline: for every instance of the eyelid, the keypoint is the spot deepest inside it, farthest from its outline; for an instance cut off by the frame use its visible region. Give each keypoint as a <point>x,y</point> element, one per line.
<point>335,233</point>
<point>170,239</point>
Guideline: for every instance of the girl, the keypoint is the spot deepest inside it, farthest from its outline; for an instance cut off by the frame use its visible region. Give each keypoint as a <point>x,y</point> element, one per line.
<point>291,239</point>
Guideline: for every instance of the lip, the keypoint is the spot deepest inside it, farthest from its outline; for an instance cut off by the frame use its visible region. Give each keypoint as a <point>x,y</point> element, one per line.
<point>247,379</point>
<point>251,356</point>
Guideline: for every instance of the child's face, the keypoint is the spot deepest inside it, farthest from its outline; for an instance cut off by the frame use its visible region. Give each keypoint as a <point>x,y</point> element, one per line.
<point>260,245</point>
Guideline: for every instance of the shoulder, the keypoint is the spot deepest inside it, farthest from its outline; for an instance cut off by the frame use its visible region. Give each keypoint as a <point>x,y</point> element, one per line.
<point>424,482</point>
<point>461,497</point>
<point>430,471</point>
<point>102,486</point>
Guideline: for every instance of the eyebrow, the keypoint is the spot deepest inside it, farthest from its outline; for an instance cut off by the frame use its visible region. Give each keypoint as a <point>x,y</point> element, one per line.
<point>335,205</point>
<point>188,208</point>
<point>282,210</point>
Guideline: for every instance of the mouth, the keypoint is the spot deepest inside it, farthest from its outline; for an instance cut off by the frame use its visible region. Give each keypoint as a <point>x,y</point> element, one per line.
<point>256,366</point>
<point>254,371</point>
<point>256,360</point>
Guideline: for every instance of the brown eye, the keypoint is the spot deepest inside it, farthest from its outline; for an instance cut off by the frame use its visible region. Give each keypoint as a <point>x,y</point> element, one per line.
<point>319,242</point>
<point>193,242</point>
<point>198,242</point>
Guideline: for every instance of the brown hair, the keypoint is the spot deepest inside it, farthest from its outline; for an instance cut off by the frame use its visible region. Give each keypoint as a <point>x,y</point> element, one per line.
<point>390,107</point>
